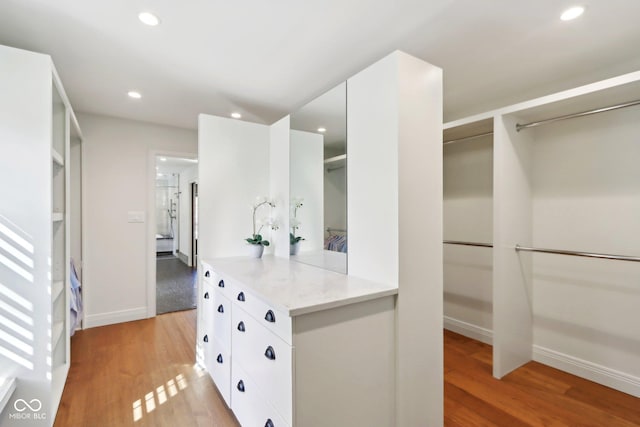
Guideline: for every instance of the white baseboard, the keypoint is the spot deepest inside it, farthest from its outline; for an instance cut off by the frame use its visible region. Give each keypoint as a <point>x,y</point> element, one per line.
<point>592,371</point>
<point>469,330</point>
<point>102,319</point>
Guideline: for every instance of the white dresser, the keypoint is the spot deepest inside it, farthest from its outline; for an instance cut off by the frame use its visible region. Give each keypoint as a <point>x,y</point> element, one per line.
<point>289,344</point>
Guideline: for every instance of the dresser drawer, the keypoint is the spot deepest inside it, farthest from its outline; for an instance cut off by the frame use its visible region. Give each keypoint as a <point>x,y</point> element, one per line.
<point>250,405</point>
<point>221,315</point>
<point>208,275</point>
<point>220,370</point>
<point>265,358</point>
<point>206,340</point>
<point>216,280</point>
<point>205,325</point>
<point>271,318</point>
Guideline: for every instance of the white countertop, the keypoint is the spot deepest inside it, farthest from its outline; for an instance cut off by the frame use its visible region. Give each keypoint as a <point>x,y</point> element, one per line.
<point>297,288</point>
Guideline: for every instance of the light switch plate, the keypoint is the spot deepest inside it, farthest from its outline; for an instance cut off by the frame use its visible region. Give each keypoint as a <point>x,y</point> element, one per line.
<point>135,216</point>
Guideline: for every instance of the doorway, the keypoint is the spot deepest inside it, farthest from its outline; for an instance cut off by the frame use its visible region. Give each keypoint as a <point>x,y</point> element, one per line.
<point>174,213</point>
<point>194,224</point>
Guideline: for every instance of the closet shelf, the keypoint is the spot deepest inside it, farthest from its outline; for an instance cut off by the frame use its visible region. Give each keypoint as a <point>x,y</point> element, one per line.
<point>7,386</point>
<point>335,162</point>
<point>56,333</point>
<point>56,290</point>
<point>57,157</point>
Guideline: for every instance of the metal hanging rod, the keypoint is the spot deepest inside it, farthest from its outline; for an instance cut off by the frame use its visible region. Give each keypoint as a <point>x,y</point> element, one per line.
<point>519,127</point>
<point>576,253</point>
<point>451,141</point>
<point>458,242</point>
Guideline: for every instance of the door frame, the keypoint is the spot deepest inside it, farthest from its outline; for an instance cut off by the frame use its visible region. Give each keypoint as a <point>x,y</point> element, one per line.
<point>193,185</point>
<point>151,222</point>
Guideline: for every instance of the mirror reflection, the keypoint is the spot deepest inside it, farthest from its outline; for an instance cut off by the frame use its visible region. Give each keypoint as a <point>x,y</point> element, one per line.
<point>318,181</point>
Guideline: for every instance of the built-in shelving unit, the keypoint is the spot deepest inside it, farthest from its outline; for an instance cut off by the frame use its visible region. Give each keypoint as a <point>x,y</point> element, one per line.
<point>565,176</point>
<point>37,125</point>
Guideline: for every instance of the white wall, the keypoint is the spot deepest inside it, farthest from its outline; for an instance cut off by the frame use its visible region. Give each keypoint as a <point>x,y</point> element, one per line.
<point>75,216</point>
<point>307,182</point>
<point>116,161</point>
<point>468,216</point>
<point>187,177</point>
<point>279,184</point>
<point>335,197</point>
<point>234,170</point>
<point>394,168</point>
<point>586,198</point>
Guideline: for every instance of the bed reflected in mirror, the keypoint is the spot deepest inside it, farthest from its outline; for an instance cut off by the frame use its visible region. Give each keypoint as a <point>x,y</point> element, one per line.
<point>318,182</point>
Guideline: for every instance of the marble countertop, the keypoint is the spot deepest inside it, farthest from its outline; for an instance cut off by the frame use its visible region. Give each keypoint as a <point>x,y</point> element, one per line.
<point>297,288</point>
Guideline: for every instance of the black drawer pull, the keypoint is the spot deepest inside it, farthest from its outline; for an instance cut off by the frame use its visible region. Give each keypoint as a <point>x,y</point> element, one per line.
<point>206,338</point>
<point>269,423</point>
<point>241,326</point>
<point>221,284</point>
<point>241,386</point>
<point>270,354</point>
<point>207,274</point>
<point>241,296</point>
<point>220,309</point>
<point>219,358</point>
<point>206,295</point>
<point>270,317</point>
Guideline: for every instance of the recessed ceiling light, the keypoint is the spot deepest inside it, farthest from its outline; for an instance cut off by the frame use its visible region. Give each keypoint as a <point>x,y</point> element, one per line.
<point>133,94</point>
<point>148,19</point>
<point>322,130</point>
<point>236,115</point>
<point>163,159</point>
<point>572,13</point>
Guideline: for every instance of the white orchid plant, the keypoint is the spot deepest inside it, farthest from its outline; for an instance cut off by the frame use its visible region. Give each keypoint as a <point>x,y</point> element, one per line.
<point>296,203</point>
<point>256,237</point>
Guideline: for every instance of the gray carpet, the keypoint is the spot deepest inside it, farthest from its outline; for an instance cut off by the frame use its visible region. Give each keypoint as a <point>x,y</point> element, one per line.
<point>175,285</point>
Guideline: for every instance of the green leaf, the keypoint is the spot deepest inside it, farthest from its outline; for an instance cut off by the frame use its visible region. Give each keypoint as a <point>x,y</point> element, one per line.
<point>257,237</point>
<point>265,243</point>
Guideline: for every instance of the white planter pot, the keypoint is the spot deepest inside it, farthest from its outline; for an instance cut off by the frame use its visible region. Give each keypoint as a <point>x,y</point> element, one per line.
<point>293,249</point>
<point>256,251</point>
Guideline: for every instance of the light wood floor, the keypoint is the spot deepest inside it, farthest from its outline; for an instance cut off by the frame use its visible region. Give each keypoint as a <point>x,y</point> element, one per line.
<point>142,374</point>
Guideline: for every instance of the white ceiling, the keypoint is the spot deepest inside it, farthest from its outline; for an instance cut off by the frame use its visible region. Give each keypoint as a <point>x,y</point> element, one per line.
<point>267,58</point>
<point>173,165</point>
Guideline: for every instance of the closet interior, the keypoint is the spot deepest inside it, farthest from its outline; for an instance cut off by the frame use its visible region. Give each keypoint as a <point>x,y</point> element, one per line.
<point>468,229</point>
<point>555,239</point>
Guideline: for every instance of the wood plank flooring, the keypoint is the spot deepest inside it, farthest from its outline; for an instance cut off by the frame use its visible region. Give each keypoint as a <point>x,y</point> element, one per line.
<point>533,395</point>
<point>140,374</point>
<point>143,374</point>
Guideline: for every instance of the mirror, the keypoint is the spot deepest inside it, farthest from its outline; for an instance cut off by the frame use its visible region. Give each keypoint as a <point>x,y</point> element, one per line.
<point>318,181</point>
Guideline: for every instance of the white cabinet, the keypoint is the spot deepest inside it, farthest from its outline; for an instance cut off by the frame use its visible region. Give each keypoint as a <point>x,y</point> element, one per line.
<point>215,330</point>
<point>299,346</point>
<point>36,126</point>
<point>261,354</point>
